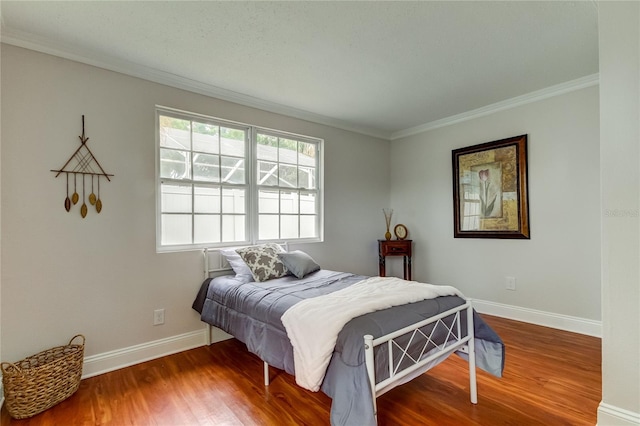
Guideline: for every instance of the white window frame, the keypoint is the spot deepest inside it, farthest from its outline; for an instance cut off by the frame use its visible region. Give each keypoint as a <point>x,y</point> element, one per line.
<point>251,171</point>
<point>317,191</point>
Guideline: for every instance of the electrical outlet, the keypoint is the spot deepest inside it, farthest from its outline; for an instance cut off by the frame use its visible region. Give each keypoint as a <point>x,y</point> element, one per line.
<point>158,317</point>
<point>510,283</point>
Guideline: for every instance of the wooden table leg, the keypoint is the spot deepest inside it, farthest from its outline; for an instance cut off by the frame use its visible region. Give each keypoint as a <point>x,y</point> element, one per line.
<point>407,268</point>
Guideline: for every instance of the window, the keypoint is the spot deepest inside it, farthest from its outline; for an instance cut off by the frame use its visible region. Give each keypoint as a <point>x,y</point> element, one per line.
<point>222,183</point>
<point>287,187</point>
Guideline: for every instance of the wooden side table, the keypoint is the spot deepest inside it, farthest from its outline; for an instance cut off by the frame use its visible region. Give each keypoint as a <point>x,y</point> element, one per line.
<point>395,248</point>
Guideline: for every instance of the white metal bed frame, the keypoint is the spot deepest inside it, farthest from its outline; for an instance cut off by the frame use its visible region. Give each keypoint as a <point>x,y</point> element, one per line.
<point>455,341</point>
<point>219,267</point>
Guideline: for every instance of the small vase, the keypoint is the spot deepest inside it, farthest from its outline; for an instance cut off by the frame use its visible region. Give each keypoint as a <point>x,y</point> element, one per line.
<point>388,213</point>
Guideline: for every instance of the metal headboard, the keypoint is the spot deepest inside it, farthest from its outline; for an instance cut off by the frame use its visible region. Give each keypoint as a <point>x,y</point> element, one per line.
<point>215,263</point>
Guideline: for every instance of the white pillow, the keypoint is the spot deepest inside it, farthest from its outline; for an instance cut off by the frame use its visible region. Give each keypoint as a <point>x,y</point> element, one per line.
<point>237,264</point>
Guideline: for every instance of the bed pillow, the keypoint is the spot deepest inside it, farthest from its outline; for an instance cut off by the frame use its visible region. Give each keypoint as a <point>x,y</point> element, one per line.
<point>237,264</point>
<point>299,263</point>
<point>263,261</point>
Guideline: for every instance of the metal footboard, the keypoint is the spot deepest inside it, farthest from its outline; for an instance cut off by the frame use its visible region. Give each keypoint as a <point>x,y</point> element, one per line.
<point>418,364</point>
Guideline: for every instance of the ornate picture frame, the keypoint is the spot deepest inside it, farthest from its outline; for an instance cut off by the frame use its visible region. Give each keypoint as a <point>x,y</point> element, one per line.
<point>490,192</point>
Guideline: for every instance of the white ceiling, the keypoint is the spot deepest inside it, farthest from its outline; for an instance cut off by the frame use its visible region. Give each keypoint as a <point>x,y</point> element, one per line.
<point>381,68</point>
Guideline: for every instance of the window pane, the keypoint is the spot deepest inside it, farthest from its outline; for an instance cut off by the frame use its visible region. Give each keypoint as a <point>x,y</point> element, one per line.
<point>268,201</point>
<point>308,227</point>
<point>289,226</point>
<point>206,167</point>
<point>306,177</point>
<point>233,200</point>
<point>267,147</point>
<point>206,229</point>
<point>206,199</point>
<point>206,138</point>
<point>233,228</point>
<point>267,173</point>
<point>233,170</point>
<point>288,202</point>
<point>308,203</point>
<point>176,198</point>
<point>175,164</point>
<point>288,176</point>
<point>176,229</point>
<point>307,154</point>
<point>288,151</point>
<point>268,225</point>
<point>175,133</point>
<point>232,142</point>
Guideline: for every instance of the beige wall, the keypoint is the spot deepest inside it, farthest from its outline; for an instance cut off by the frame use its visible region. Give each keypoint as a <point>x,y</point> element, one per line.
<point>619,25</point>
<point>101,275</point>
<point>557,271</point>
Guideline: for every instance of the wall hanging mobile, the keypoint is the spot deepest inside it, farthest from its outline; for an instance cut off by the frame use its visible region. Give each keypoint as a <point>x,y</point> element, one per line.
<point>85,164</point>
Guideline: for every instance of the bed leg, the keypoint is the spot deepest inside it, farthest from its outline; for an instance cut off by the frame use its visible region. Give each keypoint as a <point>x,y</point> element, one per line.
<point>208,338</point>
<point>266,374</point>
<point>371,371</point>
<point>473,385</point>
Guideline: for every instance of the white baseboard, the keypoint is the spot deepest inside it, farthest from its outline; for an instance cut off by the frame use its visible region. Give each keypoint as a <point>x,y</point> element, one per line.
<point>547,319</point>
<point>120,358</point>
<point>609,415</point>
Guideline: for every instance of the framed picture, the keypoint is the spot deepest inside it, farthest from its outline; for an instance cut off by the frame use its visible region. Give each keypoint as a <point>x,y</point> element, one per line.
<point>490,198</point>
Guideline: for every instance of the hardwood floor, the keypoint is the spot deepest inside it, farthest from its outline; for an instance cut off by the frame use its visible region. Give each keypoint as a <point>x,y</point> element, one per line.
<point>551,378</point>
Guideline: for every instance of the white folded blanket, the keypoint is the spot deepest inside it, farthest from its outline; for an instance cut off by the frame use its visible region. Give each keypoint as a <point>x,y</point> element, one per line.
<point>313,324</point>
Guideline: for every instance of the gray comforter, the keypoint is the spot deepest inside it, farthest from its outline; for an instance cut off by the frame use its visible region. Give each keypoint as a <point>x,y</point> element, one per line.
<point>251,312</point>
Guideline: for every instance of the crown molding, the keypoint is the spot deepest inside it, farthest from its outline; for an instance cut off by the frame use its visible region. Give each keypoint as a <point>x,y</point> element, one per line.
<point>31,42</point>
<point>538,95</point>
<point>74,53</point>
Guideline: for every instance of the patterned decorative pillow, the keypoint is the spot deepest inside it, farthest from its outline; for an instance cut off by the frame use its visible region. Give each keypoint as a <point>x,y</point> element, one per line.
<point>263,261</point>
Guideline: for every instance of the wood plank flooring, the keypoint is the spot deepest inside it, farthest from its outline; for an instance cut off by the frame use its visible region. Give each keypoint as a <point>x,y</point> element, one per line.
<point>551,378</point>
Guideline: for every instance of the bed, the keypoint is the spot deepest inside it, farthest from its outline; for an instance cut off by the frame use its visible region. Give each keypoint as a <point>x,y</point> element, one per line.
<point>373,352</point>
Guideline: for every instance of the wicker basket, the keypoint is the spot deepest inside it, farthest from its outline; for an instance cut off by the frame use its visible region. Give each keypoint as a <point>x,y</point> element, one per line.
<point>42,380</point>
